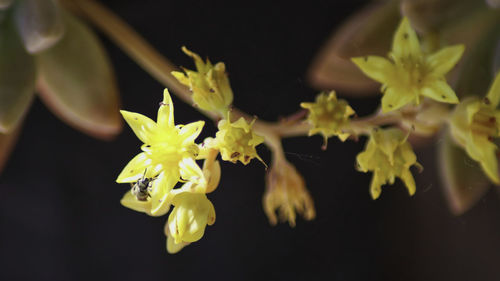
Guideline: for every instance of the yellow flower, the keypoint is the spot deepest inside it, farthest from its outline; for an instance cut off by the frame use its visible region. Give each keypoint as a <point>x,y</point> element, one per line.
<point>190,216</point>
<point>209,84</point>
<point>474,124</point>
<point>328,116</point>
<point>388,155</point>
<point>236,141</point>
<point>287,193</point>
<point>168,156</point>
<point>411,73</point>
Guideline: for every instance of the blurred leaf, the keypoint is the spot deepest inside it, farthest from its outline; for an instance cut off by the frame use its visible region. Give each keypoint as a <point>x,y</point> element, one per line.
<point>77,82</point>
<point>39,22</point>
<point>368,32</point>
<point>463,180</point>
<point>7,142</point>
<point>496,58</point>
<point>4,4</point>
<point>479,32</point>
<point>493,3</point>
<point>430,15</point>
<point>17,78</point>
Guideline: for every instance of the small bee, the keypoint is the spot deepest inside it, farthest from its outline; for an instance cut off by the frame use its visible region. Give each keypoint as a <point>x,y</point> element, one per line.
<point>141,188</point>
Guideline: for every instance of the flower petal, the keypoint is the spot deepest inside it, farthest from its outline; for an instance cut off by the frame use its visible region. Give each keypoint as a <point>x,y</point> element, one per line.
<point>405,42</point>
<point>142,126</point>
<point>128,200</point>
<point>17,78</point>
<point>494,92</point>
<point>212,175</point>
<point>191,131</point>
<point>166,112</point>
<point>439,90</point>
<point>463,180</point>
<point>481,149</point>
<point>445,59</point>
<point>409,181</point>
<point>172,247</point>
<point>77,81</point>
<point>160,191</point>
<point>394,99</point>
<point>39,23</point>
<point>377,68</point>
<point>134,169</point>
<point>190,171</point>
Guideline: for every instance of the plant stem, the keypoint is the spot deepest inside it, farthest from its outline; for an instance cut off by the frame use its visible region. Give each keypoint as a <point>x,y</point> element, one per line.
<point>155,64</point>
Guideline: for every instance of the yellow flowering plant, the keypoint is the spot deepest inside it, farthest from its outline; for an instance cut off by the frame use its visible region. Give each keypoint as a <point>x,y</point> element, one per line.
<point>422,87</point>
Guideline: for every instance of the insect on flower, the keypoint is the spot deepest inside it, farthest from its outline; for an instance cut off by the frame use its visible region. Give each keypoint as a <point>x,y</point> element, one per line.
<point>141,188</point>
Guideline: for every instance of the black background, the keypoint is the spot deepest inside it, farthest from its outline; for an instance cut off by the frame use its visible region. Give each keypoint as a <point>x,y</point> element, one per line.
<point>60,216</point>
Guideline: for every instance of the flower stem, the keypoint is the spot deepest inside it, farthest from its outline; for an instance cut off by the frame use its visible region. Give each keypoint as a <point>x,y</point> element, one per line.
<point>157,65</point>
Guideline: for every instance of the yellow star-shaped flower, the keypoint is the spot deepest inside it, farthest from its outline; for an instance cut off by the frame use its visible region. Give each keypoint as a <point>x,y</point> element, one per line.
<point>236,141</point>
<point>388,155</point>
<point>410,73</point>
<point>328,116</point>
<point>169,154</point>
<point>474,125</point>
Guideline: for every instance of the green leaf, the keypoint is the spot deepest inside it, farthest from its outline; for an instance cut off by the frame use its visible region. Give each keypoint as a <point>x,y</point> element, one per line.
<point>77,82</point>
<point>17,78</point>
<point>463,181</point>
<point>368,32</point>
<point>39,23</point>
<point>430,15</point>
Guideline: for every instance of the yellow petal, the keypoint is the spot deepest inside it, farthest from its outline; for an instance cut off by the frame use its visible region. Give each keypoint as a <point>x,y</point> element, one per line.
<point>160,190</point>
<point>472,107</point>
<point>172,247</point>
<point>483,151</point>
<point>190,171</point>
<point>409,181</point>
<point>212,175</point>
<point>394,99</point>
<point>166,112</point>
<point>388,141</point>
<point>141,125</point>
<point>134,169</point>
<point>405,42</point>
<point>494,92</point>
<point>131,202</point>
<point>200,65</point>
<point>440,91</point>
<point>375,186</point>
<point>445,59</point>
<point>191,131</point>
<point>377,68</point>
<point>181,77</point>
